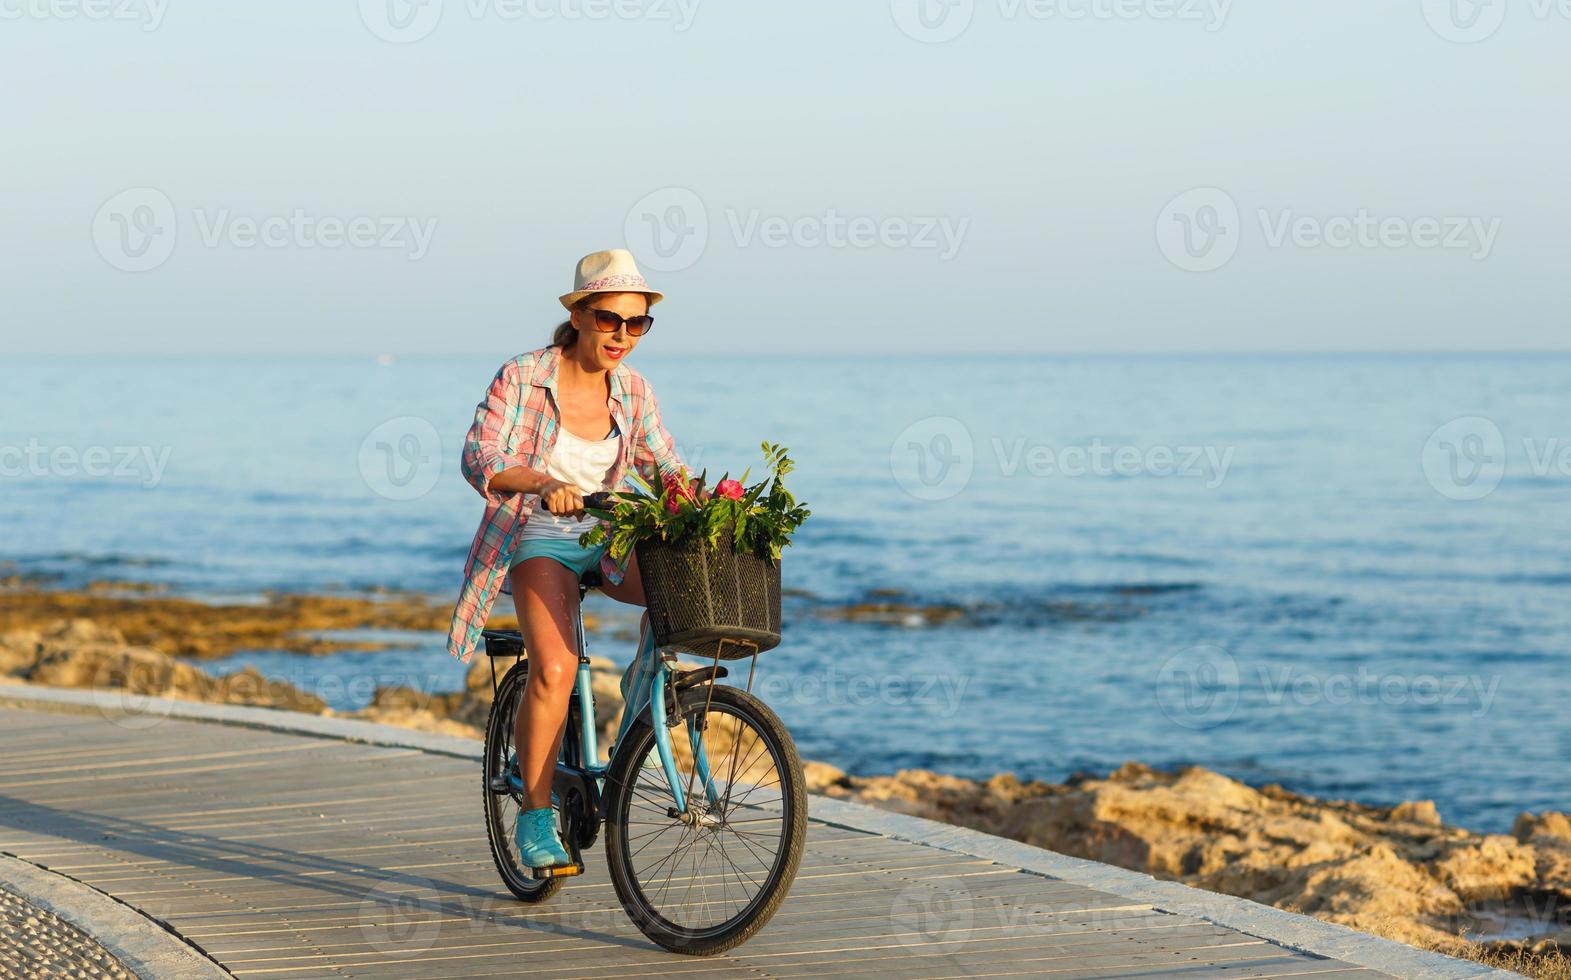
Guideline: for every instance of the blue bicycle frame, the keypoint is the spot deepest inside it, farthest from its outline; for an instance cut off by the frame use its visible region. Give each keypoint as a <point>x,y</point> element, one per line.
<point>644,688</point>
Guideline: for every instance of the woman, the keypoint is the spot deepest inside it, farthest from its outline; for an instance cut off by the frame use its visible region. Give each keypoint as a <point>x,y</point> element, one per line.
<point>558,423</point>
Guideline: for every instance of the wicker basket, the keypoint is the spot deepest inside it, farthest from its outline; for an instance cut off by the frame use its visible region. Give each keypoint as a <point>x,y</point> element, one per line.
<point>700,595</point>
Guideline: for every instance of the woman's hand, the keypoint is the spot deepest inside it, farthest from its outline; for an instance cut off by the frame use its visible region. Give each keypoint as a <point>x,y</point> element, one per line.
<point>562,498</point>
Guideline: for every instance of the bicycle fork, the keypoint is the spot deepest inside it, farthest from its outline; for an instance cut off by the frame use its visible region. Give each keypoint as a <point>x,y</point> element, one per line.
<point>650,680</point>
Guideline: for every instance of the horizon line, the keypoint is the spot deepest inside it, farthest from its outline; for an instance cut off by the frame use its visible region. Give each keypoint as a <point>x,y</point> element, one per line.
<point>394,356</point>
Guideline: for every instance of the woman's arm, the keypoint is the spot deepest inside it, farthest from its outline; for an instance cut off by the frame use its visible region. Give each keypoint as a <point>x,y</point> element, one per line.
<point>483,456</point>
<point>486,464</point>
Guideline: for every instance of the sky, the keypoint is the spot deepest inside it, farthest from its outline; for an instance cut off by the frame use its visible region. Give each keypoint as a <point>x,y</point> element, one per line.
<point>366,177</point>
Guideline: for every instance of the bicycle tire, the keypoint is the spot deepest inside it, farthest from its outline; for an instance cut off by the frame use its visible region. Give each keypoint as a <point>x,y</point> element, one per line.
<point>622,787</point>
<point>499,828</point>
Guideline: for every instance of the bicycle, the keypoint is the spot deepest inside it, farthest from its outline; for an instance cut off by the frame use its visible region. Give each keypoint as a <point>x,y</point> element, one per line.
<point>717,813</point>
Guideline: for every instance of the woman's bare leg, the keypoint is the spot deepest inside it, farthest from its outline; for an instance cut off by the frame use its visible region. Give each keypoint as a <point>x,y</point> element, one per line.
<point>545,594</point>
<point>631,591</point>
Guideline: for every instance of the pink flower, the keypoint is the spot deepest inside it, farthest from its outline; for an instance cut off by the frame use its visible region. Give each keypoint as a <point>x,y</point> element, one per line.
<point>677,487</point>
<point>673,504</point>
<point>729,489</point>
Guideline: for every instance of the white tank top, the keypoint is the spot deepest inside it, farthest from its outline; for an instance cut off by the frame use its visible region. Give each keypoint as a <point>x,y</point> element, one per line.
<point>585,465</point>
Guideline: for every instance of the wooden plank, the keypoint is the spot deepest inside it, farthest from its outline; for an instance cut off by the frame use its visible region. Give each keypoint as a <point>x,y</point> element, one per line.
<point>286,856</point>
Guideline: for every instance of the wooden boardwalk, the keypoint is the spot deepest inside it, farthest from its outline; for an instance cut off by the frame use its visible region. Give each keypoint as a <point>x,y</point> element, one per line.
<point>285,856</point>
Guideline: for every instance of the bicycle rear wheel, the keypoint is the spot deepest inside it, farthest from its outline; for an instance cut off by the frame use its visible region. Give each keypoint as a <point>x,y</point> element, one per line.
<point>706,884</point>
<point>504,793</point>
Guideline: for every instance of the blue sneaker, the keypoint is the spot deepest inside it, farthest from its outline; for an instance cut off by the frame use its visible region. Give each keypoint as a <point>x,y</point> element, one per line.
<point>538,844</point>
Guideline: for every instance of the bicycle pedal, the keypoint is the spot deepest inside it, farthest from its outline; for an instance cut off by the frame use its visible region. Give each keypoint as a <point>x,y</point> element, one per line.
<point>557,871</point>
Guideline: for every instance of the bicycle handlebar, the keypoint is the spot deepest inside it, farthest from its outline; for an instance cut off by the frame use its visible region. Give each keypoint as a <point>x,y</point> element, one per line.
<point>601,499</point>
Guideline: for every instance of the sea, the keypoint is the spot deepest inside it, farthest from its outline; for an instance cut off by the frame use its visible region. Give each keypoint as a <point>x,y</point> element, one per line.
<point>1345,574</point>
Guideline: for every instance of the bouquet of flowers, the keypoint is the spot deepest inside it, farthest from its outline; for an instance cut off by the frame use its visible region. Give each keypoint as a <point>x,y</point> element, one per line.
<point>759,518</point>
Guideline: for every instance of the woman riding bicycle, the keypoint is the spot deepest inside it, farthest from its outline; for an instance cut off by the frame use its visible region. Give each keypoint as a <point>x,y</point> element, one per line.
<point>556,424</point>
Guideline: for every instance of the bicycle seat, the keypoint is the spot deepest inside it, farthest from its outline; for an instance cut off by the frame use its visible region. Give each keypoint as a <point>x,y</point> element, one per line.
<point>590,579</point>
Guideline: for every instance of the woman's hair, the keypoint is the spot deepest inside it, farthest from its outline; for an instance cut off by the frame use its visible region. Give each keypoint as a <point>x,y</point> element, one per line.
<point>564,336</point>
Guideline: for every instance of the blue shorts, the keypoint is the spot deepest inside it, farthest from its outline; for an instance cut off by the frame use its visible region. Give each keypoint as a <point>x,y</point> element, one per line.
<point>565,551</point>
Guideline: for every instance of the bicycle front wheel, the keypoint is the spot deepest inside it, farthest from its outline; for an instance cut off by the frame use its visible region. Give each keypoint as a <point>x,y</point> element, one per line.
<point>705,882</point>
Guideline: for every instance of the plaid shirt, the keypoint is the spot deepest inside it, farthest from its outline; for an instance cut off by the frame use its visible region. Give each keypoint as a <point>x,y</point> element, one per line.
<point>516,425</point>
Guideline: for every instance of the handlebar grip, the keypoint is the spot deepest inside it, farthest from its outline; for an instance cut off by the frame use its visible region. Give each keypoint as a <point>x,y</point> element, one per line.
<point>600,498</point>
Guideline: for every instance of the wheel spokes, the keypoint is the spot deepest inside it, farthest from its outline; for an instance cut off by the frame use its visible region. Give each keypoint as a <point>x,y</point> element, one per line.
<point>702,872</point>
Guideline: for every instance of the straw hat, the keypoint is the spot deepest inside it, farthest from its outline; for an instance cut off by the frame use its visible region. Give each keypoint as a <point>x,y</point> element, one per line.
<point>611,271</point>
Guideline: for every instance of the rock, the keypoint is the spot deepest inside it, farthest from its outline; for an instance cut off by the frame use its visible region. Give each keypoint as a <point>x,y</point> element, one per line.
<point>190,628</point>
<point>1417,811</point>
<point>822,777</point>
<point>466,712</point>
<point>894,613</point>
<point>1488,869</point>
<point>1530,828</point>
<point>19,650</point>
<point>1398,871</point>
<point>1549,834</point>
<point>81,654</point>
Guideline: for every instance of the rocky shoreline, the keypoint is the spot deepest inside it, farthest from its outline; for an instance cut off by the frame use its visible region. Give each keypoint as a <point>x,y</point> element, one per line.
<point>1398,871</point>
<point>185,627</point>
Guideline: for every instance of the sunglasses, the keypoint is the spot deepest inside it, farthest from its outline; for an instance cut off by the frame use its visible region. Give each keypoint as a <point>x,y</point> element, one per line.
<point>607,322</point>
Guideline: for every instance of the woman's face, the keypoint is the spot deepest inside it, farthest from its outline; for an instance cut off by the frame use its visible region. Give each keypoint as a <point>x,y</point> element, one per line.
<point>604,351</point>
